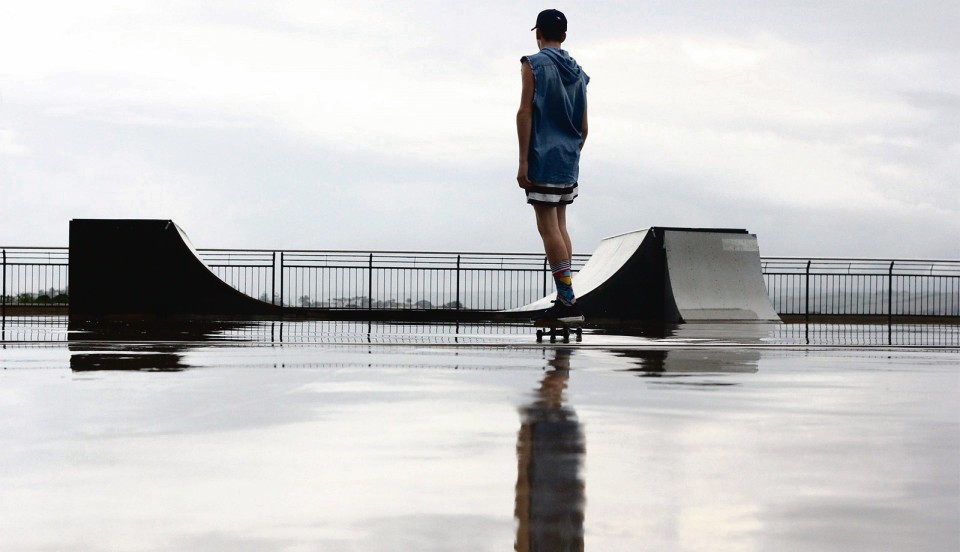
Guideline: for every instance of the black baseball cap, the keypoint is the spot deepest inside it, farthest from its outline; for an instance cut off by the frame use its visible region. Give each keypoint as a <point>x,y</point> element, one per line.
<point>551,20</point>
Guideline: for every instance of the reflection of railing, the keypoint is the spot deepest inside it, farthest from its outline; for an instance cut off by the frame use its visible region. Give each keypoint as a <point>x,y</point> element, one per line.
<point>36,278</point>
<point>925,335</point>
<point>30,331</point>
<point>821,286</point>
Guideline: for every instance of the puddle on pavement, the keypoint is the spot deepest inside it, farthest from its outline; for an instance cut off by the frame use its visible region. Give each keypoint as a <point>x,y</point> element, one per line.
<point>365,437</point>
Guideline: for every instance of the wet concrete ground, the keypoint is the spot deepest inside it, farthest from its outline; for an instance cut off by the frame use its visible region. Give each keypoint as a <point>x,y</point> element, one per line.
<point>348,436</point>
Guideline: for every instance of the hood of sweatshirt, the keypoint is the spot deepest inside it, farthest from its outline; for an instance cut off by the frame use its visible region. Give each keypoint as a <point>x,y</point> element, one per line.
<point>568,68</point>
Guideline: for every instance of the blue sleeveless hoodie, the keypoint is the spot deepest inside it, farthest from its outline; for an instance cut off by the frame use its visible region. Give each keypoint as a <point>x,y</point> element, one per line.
<point>559,100</point>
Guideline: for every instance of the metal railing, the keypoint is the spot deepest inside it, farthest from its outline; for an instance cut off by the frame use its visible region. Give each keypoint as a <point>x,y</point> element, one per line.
<point>248,270</point>
<point>405,280</point>
<point>37,277</point>
<point>386,279</point>
<point>33,276</point>
<point>863,287</point>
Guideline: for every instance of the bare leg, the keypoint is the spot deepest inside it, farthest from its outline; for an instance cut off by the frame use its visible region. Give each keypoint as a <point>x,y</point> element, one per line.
<point>555,245</point>
<point>562,223</point>
<point>552,224</point>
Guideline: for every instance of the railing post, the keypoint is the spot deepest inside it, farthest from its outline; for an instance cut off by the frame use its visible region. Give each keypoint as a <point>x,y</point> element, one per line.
<point>545,276</point>
<point>890,293</point>
<point>457,300</point>
<point>806,293</point>
<point>3,290</point>
<point>281,291</point>
<point>890,304</point>
<point>370,284</point>
<point>273,277</point>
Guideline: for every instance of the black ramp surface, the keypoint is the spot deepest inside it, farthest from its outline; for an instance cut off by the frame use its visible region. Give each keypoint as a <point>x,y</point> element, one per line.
<point>146,267</point>
<point>622,280</point>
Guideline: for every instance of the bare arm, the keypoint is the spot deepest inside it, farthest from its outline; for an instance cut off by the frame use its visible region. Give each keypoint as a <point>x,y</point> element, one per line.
<point>583,133</point>
<point>525,123</point>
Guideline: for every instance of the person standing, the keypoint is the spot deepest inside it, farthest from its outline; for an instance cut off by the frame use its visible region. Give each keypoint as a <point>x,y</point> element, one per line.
<point>551,129</point>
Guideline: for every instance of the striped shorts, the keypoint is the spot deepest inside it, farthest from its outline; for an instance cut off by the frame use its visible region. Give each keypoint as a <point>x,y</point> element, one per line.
<point>552,194</point>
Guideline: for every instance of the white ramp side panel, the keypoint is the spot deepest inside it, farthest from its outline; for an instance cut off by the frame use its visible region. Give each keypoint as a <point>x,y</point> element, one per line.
<point>716,276</point>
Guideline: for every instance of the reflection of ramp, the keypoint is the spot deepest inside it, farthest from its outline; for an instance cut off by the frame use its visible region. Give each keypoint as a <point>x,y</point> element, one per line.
<point>693,361</point>
<point>673,275</point>
<point>146,267</point>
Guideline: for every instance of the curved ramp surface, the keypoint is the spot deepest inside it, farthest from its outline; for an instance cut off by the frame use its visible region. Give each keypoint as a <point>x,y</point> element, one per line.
<point>672,275</point>
<point>146,267</point>
<point>610,257</point>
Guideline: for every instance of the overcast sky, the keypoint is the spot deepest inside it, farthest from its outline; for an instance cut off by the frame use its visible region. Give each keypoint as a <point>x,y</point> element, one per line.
<point>826,127</point>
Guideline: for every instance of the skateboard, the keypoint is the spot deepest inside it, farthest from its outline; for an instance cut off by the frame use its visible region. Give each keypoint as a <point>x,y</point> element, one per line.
<point>559,327</point>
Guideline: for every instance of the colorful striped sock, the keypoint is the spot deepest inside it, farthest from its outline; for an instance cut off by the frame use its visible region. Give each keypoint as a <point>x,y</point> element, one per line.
<point>564,281</point>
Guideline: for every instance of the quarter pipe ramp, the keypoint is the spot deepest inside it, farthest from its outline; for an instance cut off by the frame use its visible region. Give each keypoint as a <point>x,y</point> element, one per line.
<point>146,267</point>
<point>672,275</point>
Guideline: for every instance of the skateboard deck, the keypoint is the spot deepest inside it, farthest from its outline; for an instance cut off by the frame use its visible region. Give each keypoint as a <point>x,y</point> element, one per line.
<point>559,327</point>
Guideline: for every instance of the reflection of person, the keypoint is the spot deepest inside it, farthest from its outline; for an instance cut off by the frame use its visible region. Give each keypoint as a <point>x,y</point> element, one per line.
<point>551,129</point>
<point>550,450</point>
<point>152,362</point>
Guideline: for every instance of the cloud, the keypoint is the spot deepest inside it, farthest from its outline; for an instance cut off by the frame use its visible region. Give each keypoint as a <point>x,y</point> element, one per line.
<point>9,144</point>
<point>763,119</point>
<point>304,119</point>
<point>323,73</point>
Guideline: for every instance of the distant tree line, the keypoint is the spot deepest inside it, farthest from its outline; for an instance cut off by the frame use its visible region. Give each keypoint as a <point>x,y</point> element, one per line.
<point>51,296</point>
<point>362,302</point>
